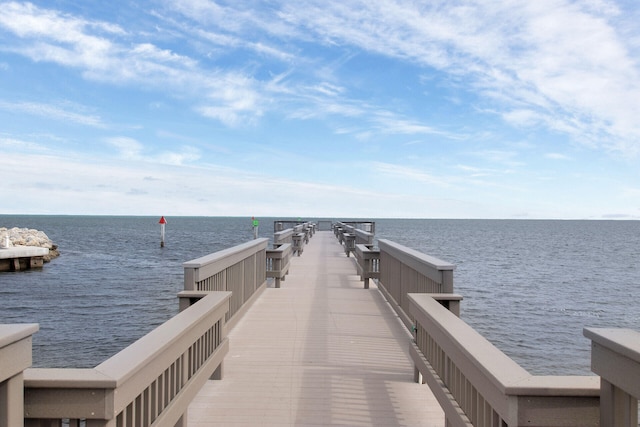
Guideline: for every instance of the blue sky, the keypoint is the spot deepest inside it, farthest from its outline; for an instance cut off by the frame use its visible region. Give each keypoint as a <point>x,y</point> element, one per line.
<point>321,108</point>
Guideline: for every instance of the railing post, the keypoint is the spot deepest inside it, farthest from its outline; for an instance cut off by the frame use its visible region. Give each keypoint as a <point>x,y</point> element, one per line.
<point>298,243</point>
<point>349,243</point>
<point>615,356</point>
<point>447,281</point>
<point>404,270</point>
<point>15,357</point>
<point>278,262</point>
<point>189,278</point>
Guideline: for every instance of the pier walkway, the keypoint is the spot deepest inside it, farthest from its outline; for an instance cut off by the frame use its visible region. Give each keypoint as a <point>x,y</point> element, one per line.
<point>320,350</point>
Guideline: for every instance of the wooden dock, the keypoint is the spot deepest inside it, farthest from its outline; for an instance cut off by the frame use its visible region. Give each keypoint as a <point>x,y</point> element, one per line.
<point>320,350</point>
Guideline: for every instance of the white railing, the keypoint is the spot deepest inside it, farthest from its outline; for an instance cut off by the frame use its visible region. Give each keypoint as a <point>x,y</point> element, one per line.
<point>367,263</point>
<point>349,243</point>
<point>615,356</point>
<point>299,240</point>
<point>404,270</point>
<point>278,261</point>
<point>15,357</point>
<point>350,236</point>
<point>283,236</point>
<point>363,237</point>
<point>364,226</point>
<point>478,385</point>
<point>151,382</point>
<point>240,269</point>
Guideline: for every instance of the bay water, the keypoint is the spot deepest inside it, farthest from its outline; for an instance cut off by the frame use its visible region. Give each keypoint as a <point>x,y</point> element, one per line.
<point>529,286</point>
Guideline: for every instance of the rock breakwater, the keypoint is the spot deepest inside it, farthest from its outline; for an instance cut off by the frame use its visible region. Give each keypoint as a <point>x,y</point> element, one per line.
<point>28,237</point>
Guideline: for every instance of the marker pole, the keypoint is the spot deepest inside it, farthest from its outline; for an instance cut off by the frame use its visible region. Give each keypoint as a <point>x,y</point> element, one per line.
<point>162,223</point>
<point>255,227</point>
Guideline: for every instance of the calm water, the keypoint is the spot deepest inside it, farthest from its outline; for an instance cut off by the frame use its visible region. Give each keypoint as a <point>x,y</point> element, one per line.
<point>529,286</point>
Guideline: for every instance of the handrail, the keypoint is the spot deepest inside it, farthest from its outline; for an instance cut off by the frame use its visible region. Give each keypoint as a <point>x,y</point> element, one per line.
<point>476,384</point>
<point>278,261</point>
<point>298,243</point>
<point>150,382</point>
<point>351,236</point>
<point>240,269</point>
<point>15,354</point>
<point>367,226</point>
<point>404,270</point>
<point>367,263</point>
<point>312,227</point>
<point>280,225</point>
<point>349,243</point>
<point>283,236</point>
<point>615,356</point>
<point>364,237</point>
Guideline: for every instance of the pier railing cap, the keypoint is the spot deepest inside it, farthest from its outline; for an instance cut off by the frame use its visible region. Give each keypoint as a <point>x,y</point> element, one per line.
<point>622,341</point>
<point>67,378</point>
<point>160,341</point>
<point>225,253</point>
<point>15,332</point>
<point>484,362</point>
<point>434,262</point>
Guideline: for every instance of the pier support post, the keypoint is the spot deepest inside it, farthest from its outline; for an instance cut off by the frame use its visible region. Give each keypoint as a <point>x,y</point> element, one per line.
<point>218,373</point>
<point>617,408</point>
<point>12,401</point>
<point>15,357</point>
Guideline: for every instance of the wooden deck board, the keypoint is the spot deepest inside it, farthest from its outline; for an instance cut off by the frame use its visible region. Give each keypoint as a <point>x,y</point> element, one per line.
<point>321,350</point>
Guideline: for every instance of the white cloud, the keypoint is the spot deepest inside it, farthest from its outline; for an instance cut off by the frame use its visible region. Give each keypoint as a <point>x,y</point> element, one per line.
<point>57,37</point>
<point>186,155</point>
<point>153,53</point>
<point>504,157</point>
<point>55,112</point>
<point>132,150</point>
<point>392,124</point>
<point>95,186</point>
<point>54,37</point>
<point>411,174</point>
<point>128,148</point>
<point>557,156</point>
<point>522,117</point>
<point>559,63</point>
<point>535,60</point>
<point>482,172</point>
<point>18,145</point>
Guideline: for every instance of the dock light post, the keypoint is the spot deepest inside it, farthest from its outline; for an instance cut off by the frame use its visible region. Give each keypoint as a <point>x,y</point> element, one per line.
<point>162,222</point>
<point>255,227</point>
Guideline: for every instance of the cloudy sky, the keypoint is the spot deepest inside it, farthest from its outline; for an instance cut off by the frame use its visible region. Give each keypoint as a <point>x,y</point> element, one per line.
<point>385,108</point>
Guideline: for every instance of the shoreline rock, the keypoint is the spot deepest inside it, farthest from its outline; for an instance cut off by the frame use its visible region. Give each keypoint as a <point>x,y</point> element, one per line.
<point>29,237</point>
